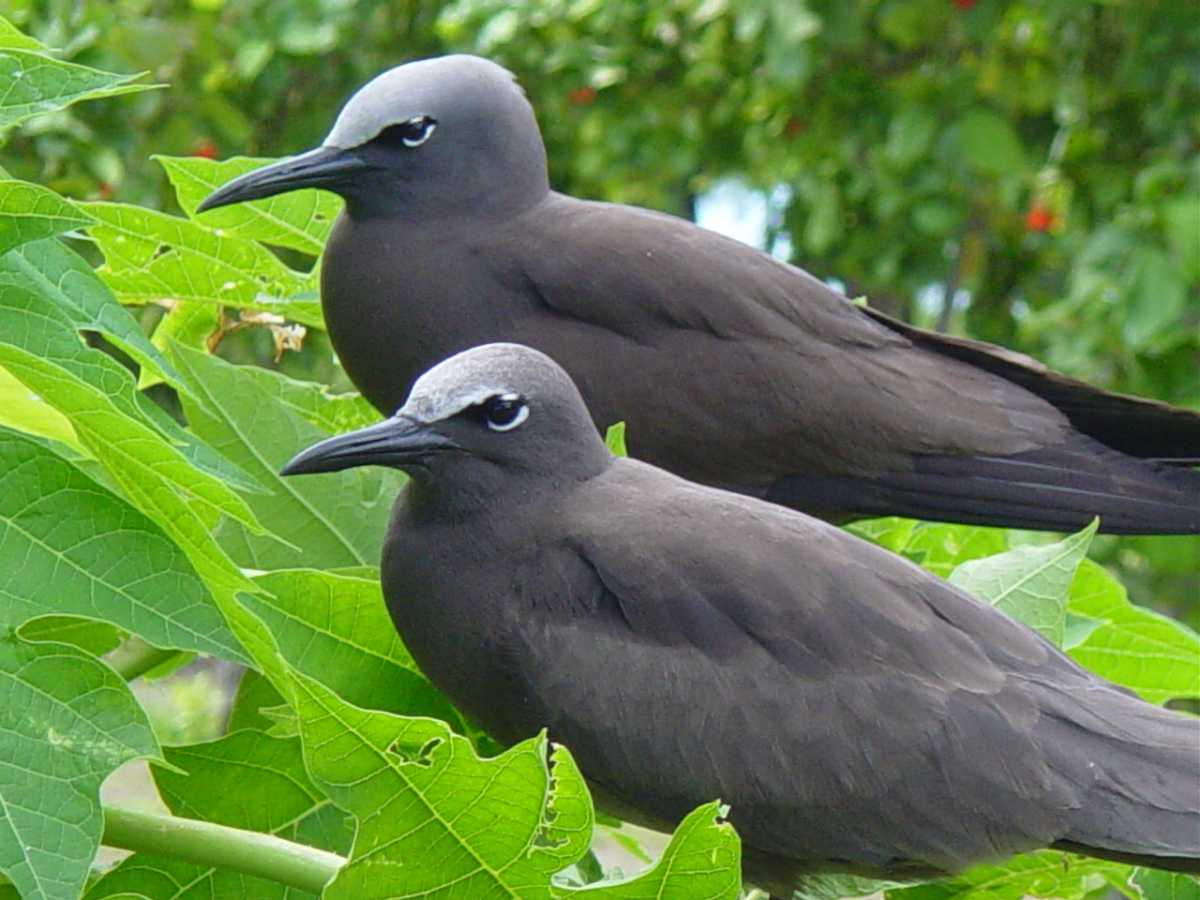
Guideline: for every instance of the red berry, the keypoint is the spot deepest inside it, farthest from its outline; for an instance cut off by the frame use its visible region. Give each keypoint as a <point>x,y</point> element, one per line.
<point>963,4</point>
<point>1039,218</point>
<point>205,147</point>
<point>582,96</point>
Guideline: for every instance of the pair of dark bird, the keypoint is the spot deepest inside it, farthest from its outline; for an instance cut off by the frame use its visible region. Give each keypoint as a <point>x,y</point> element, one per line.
<point>688,643</point>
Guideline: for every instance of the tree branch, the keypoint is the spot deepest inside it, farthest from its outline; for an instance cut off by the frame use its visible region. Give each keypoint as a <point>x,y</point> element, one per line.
<point>249,852</point>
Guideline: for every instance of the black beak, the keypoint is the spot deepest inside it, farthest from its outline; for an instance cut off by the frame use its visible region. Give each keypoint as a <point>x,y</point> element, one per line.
<point>323,167</point>
<point>393,442</point>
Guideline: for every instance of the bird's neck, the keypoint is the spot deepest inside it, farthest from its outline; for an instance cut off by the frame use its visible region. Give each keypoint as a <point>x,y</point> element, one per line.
<point>471,195</point>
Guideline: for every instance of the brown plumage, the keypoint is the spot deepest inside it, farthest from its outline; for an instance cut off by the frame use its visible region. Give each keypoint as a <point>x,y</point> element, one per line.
<point>729,367</point>
<point>857,713</point>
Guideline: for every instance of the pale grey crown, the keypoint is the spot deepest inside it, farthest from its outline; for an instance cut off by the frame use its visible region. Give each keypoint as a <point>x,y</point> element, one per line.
<point>474,375</point>
<point>439,87</point>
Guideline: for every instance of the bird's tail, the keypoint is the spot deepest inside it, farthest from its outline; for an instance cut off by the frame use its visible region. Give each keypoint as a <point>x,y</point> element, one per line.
<point>1141,768</point>
<point>1134,426</point>
<point>1059,488</point>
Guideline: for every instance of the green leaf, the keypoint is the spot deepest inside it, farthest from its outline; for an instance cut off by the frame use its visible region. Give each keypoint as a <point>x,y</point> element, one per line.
<point>36,83</point>
<point>500,827</point>
<point>191,324</point>
<point>88,635</point>
<point>614,439</point>
<point>29,212</point>
<point>152,256</point>
<point>941,548</point>
<point>245,780</point>
<point>910,134</point>
<point>1156,884</point>
<point>11,38</point>
<point>989,143</point>
<point>1031,584</point>
<point>40,346</point>
<point>331,413</point>
<point>1131,646</point>
<point>254,693</point>
<point>892,533</point>
<point>90,389</point>
<point>66,722</point>
<point>1046,873</point>
<point>58,276</point>
<point>1157,296</point>
<point>1181,220</point>
<point>336,628</point>
<point>702,862</point>
<point>298,219</point>
<point>54,271</point>
<point>24,410</point>
<point>68,545</point>
<point>245,413</point>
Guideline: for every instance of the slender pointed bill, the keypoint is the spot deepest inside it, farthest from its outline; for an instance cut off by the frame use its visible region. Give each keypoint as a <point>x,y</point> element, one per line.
<point>319,168</point>
<point>392,442</point>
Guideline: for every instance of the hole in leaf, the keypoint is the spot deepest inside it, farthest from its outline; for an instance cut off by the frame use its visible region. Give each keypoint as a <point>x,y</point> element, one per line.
<point>415,756</point>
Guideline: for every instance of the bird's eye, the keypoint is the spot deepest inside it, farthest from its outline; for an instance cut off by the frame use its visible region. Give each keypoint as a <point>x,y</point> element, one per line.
<point>505,412</point>
<point>410,133</point>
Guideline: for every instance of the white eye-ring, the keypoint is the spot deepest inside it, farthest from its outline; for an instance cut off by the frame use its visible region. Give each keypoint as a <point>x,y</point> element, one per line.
<point>505,412</point>
<point>418,130</point>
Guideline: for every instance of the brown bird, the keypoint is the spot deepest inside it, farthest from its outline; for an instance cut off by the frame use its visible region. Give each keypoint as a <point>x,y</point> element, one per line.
<point>856,712</point>
<point>730,367</point>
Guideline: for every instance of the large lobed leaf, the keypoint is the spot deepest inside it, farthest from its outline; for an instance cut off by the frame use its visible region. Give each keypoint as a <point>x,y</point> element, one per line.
<point>69,545</point>
<point>336,629</point>
<point>1031,584</point>
<point>54,271</point>
<point>66,722</point>
<point>249,414</point>
<point>37,83</point>
<point>39,345</point>
<point>300,220</point>
<point>29,212</point>
<point>152,256</point>
<point>1145,651</point>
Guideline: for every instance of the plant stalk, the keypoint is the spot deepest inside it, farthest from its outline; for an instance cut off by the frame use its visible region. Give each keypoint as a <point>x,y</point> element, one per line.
<point>249,852</point>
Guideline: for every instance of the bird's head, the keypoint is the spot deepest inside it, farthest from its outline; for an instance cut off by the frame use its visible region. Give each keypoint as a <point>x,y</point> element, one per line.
<point>431,136</point>
<point>478,420</point>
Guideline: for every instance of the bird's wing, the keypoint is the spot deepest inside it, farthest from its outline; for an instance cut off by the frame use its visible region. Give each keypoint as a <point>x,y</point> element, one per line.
<point>734,369</point>
<point>847,705</point>
<point>703,317</point>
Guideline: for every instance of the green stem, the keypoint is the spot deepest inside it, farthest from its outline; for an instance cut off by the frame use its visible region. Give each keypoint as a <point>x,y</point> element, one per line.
<point>249,852</point>
<point>134,658</point>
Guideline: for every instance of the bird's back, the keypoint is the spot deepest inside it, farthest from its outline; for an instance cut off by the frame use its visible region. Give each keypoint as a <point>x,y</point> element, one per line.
<point>852,709</point>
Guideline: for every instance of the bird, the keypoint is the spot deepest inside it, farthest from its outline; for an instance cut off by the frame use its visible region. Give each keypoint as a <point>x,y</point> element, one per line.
<point>728,367</point>
<point>856,713</point>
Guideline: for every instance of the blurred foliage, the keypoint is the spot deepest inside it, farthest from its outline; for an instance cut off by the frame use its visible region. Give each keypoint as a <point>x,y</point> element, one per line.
<point>122,525</point>
<point>1023,172</point>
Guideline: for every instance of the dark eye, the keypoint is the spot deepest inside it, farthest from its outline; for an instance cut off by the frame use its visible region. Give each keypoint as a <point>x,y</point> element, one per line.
<point>505,412</point>
<point>411,133</point>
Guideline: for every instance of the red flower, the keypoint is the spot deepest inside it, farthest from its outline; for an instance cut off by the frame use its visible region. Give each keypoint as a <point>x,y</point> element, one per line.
<point>582,96</point>
<point>1039,218</point>
<point>205,147</point>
